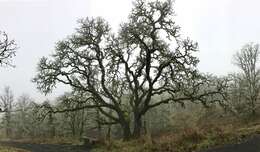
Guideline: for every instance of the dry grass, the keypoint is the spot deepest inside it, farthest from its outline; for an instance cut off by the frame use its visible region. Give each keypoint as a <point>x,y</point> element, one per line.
<point>187,140</point>
<point>9,149</point>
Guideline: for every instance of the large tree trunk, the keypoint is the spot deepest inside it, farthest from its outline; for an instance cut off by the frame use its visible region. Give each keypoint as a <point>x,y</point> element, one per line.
<point>126,131</point>
<point>137,126</point>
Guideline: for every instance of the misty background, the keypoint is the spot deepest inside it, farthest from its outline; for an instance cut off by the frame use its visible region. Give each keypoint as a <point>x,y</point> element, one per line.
<point>220,27</point>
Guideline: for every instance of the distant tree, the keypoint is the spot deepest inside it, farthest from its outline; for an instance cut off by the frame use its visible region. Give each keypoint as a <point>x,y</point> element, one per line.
<point>50,120</point>
<point>247,60</point>
<point>122,73</point>
<point>22,116</point>
<point>7,102</point>
<point>236,103</point>
<point>75,119</point>
<point>7,49</point>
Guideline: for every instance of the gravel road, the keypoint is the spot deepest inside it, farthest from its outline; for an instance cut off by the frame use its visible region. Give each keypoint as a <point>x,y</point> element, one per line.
<point>251,145</point>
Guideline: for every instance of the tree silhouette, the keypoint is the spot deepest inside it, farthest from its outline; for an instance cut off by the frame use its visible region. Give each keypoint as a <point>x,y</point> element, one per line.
<point>123,72</point>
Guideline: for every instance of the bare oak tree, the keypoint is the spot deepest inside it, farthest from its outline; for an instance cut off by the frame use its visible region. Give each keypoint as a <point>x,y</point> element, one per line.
<point>247,60</point>
<point>7,49</point>
<point>123,72</point>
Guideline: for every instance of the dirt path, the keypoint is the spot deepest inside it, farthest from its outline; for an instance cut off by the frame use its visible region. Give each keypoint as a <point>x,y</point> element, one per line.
<point>46,147</point>
<point>251,145</point>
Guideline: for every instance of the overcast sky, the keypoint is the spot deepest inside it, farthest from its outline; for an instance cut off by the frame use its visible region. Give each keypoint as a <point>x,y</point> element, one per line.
<point>220,27</point>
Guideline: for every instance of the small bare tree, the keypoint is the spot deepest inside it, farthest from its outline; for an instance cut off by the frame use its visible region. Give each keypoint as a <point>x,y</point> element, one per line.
<point>22,118</point>
<point>7,99</point>
<point>7,49</point>
<point>246,59</point>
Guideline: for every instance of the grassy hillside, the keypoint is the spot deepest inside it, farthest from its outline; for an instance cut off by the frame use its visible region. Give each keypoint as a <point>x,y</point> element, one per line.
<point>187,140</point>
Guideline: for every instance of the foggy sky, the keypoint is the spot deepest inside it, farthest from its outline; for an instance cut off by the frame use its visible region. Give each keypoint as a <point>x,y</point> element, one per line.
<point>220,27</point>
